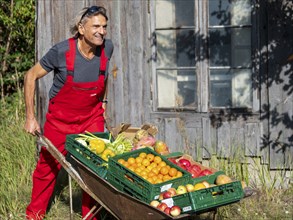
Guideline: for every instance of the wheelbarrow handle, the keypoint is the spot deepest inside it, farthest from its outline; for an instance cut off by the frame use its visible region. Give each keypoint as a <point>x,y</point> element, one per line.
<point>70,170</point>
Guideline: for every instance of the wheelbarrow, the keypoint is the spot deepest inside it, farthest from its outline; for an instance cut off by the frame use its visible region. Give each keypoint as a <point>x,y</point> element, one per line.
<point>119,204</point>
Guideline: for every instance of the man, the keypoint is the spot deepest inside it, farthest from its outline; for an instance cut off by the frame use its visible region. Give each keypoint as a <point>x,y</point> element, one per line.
<point>77,98</point>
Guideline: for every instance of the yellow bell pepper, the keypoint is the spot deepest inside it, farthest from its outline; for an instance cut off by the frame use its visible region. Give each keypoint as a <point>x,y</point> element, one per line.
<point>107,153</point>
<point>96,145</point>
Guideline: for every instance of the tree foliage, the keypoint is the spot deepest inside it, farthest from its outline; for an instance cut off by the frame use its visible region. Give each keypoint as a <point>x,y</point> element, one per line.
<point>17,40</point>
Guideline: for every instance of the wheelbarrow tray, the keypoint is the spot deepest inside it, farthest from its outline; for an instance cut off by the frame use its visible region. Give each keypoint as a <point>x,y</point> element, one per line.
<point>121,204</point>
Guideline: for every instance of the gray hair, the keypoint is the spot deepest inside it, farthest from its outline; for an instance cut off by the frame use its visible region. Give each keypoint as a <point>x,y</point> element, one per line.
<point>82,16</point>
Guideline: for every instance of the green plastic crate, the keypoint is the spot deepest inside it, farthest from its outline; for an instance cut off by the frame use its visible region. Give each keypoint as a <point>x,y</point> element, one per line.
<point>139,187</point>
<point>206,199</point>
<point>209,178</point>
<point>85,155</point>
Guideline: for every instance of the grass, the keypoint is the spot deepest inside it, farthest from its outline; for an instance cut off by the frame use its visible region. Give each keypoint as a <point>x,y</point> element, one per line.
<point>18,159</point>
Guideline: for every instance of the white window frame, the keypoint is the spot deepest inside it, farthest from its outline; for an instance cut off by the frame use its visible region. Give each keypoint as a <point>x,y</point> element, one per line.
<point>202,66</point>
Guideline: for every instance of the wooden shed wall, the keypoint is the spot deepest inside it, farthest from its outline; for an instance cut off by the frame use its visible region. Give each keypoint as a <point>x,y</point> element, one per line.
<point>201,135</point>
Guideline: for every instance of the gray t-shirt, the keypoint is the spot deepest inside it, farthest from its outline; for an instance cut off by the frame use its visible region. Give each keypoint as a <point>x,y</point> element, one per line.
<point>84,70</point>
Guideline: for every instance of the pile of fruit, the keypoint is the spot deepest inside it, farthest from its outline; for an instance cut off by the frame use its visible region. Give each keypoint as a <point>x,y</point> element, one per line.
<point>122,144</point>
<point>162,203</point>
<point>195,169</point>
<point>151,168</point>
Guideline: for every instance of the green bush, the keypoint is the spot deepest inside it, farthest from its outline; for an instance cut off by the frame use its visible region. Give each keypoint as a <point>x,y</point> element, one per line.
<point>17,43</point>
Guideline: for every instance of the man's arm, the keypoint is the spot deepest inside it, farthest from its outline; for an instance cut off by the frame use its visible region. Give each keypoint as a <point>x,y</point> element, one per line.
<point>30,78</point>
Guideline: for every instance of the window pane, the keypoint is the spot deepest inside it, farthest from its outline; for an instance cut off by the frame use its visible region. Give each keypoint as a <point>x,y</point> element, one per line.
<point>174,13</point>
<point>229,12</point>
<point>176,88</point>
<point>175,48</point>
<point>220,47</point>
<point>231,88</point>
<point>230,47</point>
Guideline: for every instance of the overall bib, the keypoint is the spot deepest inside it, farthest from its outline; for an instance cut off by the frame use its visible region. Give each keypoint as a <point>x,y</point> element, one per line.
<point>77,107</point>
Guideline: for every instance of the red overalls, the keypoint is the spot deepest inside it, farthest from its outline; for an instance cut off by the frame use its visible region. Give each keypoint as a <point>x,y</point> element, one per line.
<point>77,107</point>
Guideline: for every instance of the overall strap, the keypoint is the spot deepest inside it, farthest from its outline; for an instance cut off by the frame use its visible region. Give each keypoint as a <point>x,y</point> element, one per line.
<point>103,60</point>
<point>70,56</point>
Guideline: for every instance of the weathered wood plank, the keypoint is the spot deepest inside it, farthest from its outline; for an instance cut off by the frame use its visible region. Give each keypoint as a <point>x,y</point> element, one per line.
<point>174,141</point>
<point>237,141</point>
<point>44,42</point>
<point>280,34</point>
<point>208,150</point>
<point>223,140</point>
<point>251,139</point>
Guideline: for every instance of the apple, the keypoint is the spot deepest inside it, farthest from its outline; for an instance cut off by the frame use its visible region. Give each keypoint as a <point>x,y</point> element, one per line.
<point>162,206</point>
<point>199,186</point>
<point>182,166</point>
<point>161,197</point>
<point>167,210</point>
<point>193,173</point>
<point>186,163</point>
<point>194,169</point>
<point>167,195</point>
<point>206,184</point>
<point>173,160</point>
<point>189,187</point>
<point>172,191</point>
<point>161,147</point>
<point>205,172</point>
<point>181,190</point>
<point>223,179</point>
<point>175,210</point>
<point>154,203</point>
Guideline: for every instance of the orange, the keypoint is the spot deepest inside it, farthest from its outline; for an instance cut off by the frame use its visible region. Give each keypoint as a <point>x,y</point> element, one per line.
<point>149,167</point>
<point>151,174</point>
<point>138,159</point>
<point>164,170</point>
<point>126,164</point>
<point>144,176</point>
<point>139,164</point>
<point>150,157</point>
<point>160,176</point>
<point>145,162</point>
<point>155,170</point>
<point>154,178</point>
<point>132,168</point>
<point>168,167</point>
<point>158,181</point>
<point>179,174</point>
<point>143,173</point>
<point>153,164</point>
<point>122,161</point>
<point>162,164</point>
<point>142,155</point>
<point>137,170</point>
<point>166,177</point>
<point>157,159</point>
<point>150,179</point>
<point>131,160</point>
<point>172,172</point>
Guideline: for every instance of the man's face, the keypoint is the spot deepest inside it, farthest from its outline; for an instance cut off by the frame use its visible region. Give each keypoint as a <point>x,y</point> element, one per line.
<point>94,30</point>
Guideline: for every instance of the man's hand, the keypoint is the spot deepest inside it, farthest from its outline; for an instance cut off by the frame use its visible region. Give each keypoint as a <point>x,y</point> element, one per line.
<point>31,125</point>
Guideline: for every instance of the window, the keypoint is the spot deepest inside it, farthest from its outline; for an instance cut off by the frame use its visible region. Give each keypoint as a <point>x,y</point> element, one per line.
<point>203,54</point>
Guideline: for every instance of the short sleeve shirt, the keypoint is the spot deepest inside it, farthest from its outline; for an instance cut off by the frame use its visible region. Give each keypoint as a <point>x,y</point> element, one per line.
<point>84,70</point>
